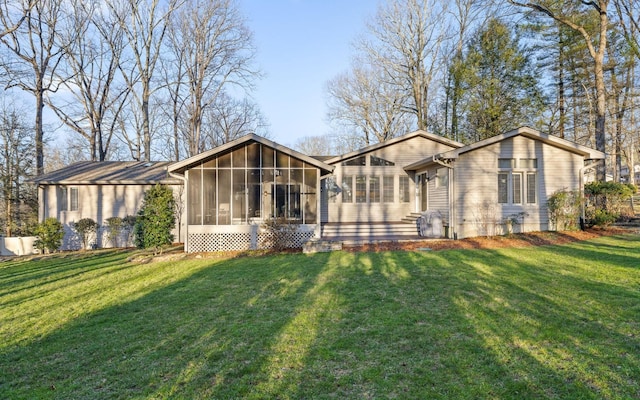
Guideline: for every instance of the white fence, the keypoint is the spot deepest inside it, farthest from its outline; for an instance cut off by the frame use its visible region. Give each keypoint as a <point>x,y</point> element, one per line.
<point>17,246</point>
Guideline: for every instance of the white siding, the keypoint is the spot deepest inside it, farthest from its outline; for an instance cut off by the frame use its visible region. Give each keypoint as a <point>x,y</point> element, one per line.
<point>477,208</point>
<point>402,153</point>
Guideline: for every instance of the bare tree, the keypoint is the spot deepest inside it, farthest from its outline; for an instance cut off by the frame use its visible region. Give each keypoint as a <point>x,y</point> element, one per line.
<point>407,43</point>
<point>363,101</point>
<point>13,13</point>
<point>144,24</point>
<point>92,63</point>
<point>228,119</point>
<point>37,47</point>
<point>596,42</point>
<point>216,47</point>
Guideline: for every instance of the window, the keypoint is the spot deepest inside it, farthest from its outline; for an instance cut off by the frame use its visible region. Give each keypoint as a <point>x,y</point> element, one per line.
<point>516,184</point>
<point>506,163</point>
<point>73,199</point>
<point>531,188</point>
<point>442,177</point>
<point>374,189</point>
<point>331,188</point>
<point>380,162</point>
<point>404,189</point>
<point>361,189</point>
<point>528,163</point>
<point>512,189</point>
<point>358,161</point>
<point>503,188</point>
<point>347,189</point>
<point>388,189</point>
<point>64,199</point>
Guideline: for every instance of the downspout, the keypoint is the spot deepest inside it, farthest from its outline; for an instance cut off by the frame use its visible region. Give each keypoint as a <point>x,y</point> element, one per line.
<point>589,166</point>
<point>452,209</point>
<point>186,193</point>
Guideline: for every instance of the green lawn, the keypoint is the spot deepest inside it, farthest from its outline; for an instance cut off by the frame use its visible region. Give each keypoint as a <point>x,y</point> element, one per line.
<point>547,322</point>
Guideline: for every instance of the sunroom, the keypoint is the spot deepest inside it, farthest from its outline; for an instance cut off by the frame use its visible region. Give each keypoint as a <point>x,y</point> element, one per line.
<point>230,191</point>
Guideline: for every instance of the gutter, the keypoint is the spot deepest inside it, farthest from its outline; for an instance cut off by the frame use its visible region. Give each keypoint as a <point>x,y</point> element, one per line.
<point>452,209</point>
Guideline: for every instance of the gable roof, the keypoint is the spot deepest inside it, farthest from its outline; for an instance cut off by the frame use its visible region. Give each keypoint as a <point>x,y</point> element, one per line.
<point>587,152</point>
<point>109,173</point>
<point>185,164</point>
<point>377,146</point>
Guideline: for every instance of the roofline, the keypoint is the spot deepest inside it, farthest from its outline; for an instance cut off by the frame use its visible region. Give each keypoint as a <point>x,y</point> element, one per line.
<point>168,181</point>
<point>186,163</point>
<point>377,146</point>
<point>587,152</point>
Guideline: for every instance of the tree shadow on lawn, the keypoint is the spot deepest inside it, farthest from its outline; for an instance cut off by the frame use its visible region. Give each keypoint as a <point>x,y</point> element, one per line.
<point>617,251</point>
<point>206,331</point>
<point>383,325</point>
<point>56,267</point>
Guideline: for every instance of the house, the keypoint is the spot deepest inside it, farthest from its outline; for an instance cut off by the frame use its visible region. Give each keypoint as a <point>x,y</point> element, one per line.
<point>494,186</point>
<point>98,190</point>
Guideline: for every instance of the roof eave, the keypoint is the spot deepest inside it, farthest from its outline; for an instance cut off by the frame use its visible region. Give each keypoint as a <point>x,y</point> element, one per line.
<point>181,166</point>
<point>373,147</point>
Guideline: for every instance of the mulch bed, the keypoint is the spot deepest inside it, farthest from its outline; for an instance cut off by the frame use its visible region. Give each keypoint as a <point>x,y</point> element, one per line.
<point>492,242</point>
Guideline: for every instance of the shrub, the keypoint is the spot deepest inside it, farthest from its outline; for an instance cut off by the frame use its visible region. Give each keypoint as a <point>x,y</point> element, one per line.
<point>564,209</point>
<point>603,217</point>
<point>606,201</point>
<point>279,234</point>
<point>129,223</point>
<point>50,233</point>
<point>155,219</point>
<point>114,227</point>
<point>85,228</point>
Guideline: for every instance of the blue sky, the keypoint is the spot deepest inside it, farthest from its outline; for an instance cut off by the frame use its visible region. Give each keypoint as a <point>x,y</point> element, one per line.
<point>301,45</point>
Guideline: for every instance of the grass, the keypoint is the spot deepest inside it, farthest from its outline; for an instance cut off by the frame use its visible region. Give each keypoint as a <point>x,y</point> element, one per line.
<point>546,322</point>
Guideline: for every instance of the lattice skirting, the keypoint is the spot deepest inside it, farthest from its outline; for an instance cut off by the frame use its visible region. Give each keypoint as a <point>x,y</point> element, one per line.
<point>239,241</point>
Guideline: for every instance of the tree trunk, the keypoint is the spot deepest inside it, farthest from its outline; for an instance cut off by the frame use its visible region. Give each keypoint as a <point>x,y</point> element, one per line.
<point>39,134</point>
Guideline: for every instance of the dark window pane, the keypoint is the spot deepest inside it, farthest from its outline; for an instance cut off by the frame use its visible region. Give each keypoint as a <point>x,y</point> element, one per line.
<point>362,160</point>
<point>239,160</point>
<point>361,189</point>
<point>195,200</point>
<point>239,197</point>
<point>224,197</point>
<point>380,162</point>
<point>209,196</point>
<point>267,156</point>
<point>282,160</point>
<point>296,163</point>
<point>503,194</point>
<point>224,161</point>
<point>253,155</point>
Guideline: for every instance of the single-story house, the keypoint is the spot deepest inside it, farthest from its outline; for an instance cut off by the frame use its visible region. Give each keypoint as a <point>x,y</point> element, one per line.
<point>99,190</point>
<point>494,186</point>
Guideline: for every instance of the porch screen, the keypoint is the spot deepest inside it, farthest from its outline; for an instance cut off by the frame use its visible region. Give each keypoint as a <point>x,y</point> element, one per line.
<point>251,184</point>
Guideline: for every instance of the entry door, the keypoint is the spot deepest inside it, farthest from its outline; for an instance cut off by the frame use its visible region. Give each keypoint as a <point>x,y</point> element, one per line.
<point>424,193</point>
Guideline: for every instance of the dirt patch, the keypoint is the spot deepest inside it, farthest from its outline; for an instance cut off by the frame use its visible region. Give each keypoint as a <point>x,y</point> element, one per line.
<point>492,242</point>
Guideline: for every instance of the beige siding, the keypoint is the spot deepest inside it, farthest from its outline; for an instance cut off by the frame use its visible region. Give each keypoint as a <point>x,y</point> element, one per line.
<point>476,174</point>
<point>98,202</point>
<point>402,153</point>
<point>438,195</point>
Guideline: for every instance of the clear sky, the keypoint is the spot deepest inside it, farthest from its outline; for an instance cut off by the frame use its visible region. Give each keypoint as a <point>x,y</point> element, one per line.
<point>301,45</point>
